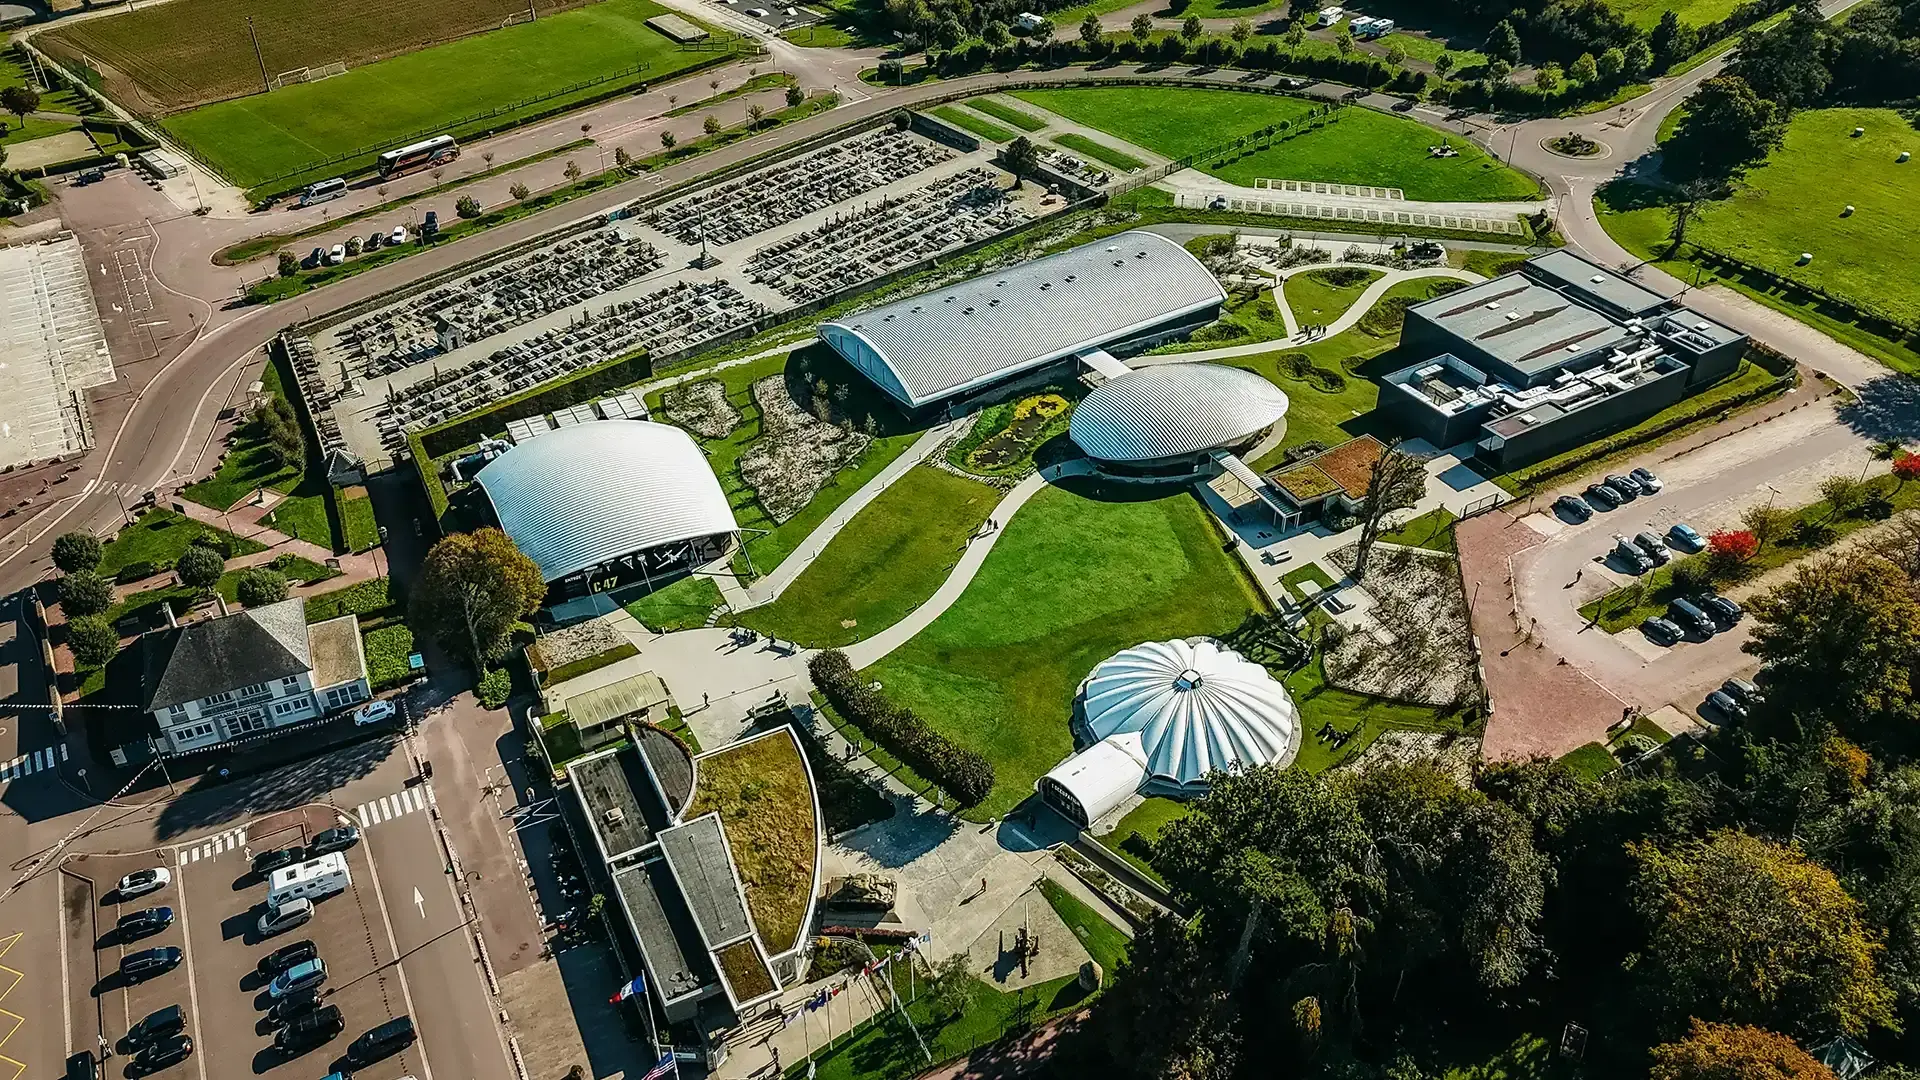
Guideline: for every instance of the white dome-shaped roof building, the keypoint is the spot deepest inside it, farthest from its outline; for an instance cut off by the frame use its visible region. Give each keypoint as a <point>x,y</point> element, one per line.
<point>1162,717</point>
<point>1167,418</point>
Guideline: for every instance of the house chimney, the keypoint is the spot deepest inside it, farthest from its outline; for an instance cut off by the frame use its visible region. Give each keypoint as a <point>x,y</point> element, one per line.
<point>172,623</point>
<point>221,601</point>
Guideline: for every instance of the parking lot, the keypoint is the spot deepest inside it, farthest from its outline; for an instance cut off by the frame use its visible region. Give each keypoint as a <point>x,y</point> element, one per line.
<point>373,968</point>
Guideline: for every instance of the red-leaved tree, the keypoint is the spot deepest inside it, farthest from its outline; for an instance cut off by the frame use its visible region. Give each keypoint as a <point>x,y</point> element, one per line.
<point>1906,466</point>
<point>1737,545</point>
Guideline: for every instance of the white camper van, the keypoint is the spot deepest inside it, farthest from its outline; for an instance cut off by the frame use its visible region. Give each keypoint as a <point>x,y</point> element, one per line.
<point>313,879</point>
<point>1330,16</point>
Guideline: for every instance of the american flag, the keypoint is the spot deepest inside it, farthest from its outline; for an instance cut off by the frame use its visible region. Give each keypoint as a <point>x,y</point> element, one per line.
<point>667,1065</point>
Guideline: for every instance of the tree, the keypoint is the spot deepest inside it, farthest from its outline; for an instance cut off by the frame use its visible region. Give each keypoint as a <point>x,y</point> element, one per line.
<point>1735,1052</point>
<point>951,987</point>
<point>755,114</point>
<point>199,567</point>
<point>85,593</point>
<point>1503,42</point>
<point>488,158</point>
<point>1443,64</point>
<point>1242,30</point>
<point>1343,40</point>
<point>473,587</point>
<point>996,35</point>
<point>1757,933</point>
<point>1395,54</point>
<point>1610,64</point>
<point>519,192</point>
<point>93,640</point>
<point>1727,128</point>
<point>77,551</point>
<point>1296,34</point>
<point>353,245</point>
<point>467,206</point>
<point>1693,197</point>
<point>621,159</point>
<point>1396,481</point>
<point>1671,41</point>
<point>1497,71</point>
<point>795,96</point>
<point>1546,78</point>
<point>572,171</point>
<point>1842,493</point>
<point>1584,70</point>
<point>20,100</point>
<point>1639,59</point>
<point>1842,637</point>
<point>1733,545</point>
<point>1043,31</point>
<point>1787,63</point>
<point>1020,158</point>
<point>1090,31</point>
<point>289,264</point>
<point>1167,1014</point>
<point>1906,466</point>
<point>711,125</point>
<point>1191,29</point>
<point>1142,26</point>
<point>258,586</point>
<point>1765,521</point>
<point>279,433</point>
<point>667,140</point>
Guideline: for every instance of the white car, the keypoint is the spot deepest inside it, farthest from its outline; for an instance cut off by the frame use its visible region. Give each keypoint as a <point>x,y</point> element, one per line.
<point>399,235</point>
<point>373,712</point>
<point>142,882</point>
<point>285,916</point>
<point>338,255</point>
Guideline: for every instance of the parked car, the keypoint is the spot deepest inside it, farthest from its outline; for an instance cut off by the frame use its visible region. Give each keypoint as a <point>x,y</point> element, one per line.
<point>1742,691</point>
<point>303,976</point>
<point>335,839</point>
<point>142,882</point>
<point>1655,548</point>
<point>1574,507</point>
<point>142,923</point>
<point>1723,610</point>
<point>284,916</point>
<point>314,258</point>
<point>268,861</point>
<point>171,1051</point>
<point>1662,631</point>
<point>310,1029</point>
<point>338,255</point>
<point>1648,481</point>
<point>373,241</point>
<point>1625,485</point>
<point>145,964</point>
<point>286,956</point>
<point>157,1025</point>
<point>1686,537</point>
<point>293,1005</point>
<point>1689,614</point>
<point>398,236</point>
<point>1603,497</point>
<point>1724,704</point>
<point>389,1038</point>
<point>1625,550</point>
<point>374,712</point>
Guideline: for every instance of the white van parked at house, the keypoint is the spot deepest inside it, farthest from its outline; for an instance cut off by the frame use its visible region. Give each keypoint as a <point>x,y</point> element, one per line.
<point>312,879</point>
<point>1331,16</point>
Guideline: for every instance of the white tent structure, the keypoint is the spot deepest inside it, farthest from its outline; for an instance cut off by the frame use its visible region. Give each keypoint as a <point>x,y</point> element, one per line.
<point>1163,716</point>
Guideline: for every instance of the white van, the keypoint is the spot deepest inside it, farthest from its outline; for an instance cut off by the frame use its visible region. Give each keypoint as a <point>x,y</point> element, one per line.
<point>313,879</point>
<point>1330,16</point>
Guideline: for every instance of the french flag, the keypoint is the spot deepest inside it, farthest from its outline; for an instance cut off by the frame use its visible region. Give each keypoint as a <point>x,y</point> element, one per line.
<point>637,986</point>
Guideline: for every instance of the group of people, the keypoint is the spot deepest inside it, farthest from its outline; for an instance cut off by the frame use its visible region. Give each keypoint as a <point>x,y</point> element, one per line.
<point>1312,330</point>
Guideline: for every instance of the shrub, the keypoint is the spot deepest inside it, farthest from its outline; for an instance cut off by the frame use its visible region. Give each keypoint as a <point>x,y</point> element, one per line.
<point>495,687</point>
<point>258,586</point>
<point>1692,576</point>
<point>387,650</point>
<point>94,642</point>
<point>467,207</point>
<point>289,264</point>
<point>200,567</point>
<point>85,593</point>
<point>77,551</point>
<point>1341,277</point>
<point>135,571</point>
<point>965,774</point>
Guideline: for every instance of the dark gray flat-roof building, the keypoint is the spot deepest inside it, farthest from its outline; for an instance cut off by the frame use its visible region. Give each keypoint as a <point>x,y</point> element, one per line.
<point>1538,361</point>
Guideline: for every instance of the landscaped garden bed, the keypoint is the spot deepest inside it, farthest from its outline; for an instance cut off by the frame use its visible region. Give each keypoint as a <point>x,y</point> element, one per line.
<point>796,453</point>
<point>1415,644</point>
<point>760,790</point>
<point>701,407</point>
<point>1005,436</point>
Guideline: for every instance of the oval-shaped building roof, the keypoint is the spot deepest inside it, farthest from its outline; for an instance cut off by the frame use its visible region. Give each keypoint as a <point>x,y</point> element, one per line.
<point>581,495</point>
<point>1174,409</point>
<point>1196,705</point>
<point>961,336</point>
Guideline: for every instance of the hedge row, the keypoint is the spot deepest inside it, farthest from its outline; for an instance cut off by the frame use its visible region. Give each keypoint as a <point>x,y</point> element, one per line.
<point>962,773</point>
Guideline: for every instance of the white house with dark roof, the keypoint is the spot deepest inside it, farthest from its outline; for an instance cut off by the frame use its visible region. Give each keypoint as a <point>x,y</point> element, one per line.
<point>224,678</point>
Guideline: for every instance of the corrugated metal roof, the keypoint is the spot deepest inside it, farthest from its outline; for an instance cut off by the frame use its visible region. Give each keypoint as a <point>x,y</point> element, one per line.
<point>1174,409</point>
<point>1523,324</point>
<point>582,495</point>
<point>939,343</point>
<point>616,699</point>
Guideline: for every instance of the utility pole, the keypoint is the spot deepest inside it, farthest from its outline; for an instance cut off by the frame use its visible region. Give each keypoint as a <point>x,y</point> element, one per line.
<point>265,84</point>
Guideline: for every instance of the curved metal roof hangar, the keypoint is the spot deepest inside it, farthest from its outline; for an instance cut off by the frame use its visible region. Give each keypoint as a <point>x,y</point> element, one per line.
<point>1172,410</point>
<point>579,496</point>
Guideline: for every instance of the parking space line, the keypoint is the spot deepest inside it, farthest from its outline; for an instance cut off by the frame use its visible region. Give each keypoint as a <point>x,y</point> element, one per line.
<point>193,986</point>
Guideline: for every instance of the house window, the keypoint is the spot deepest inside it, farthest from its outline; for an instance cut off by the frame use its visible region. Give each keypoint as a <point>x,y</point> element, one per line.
<point>245,723</point>
<point>291,682</point>
<point>193,733</point>
<point>176,713</point>
<point>342,696</point>
<point>256,688</point>
<point>220,698</point>
<point>292,705</point>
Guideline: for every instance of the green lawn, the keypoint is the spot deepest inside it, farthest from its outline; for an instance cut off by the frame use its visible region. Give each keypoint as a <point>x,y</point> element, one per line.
<point>159,537</point>
<point>1172,121</point>
<point>363,533</point>
<point>1293,580</point>
<point>1368,147</point>
<point>1228,9</point>
<point>1006,113</point>
<point>887,561</point>
<point>1317,296</point>
<point>1103,941</point>
<point>15,130</point>
<point>1098,151</point>
<point>682,605</point>
<point>1432,530</point>
<point>1360,718</point>
<point>1071,582</point>
<point>303,517</point>
<point>979,125</point>
<point>258,138</point>
<point>246,466</point>
<point>1593,760</point>
<point>1644,14</point>
<point>1420,47</point>
<point>1139,827</point>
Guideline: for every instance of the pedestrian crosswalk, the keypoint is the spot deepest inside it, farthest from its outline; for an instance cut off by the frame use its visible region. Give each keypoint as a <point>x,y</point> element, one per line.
<point>388,807</point>
<point>28,764</point>
<point>208,847</point>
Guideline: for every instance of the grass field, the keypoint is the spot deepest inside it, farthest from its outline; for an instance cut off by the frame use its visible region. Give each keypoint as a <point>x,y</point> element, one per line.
<point>1072,581</point>
<point>1313,298</point>
<point>1172,121</point>
<point>159,537</point>
<point>1132,837</point>
<point>1432,530</point>
<point>1368,147</point>
<point>887,561</point>
<point>979,125</point>
<point>683,605</point>
<point>1098,151</point>
<point>302,512</point>
<point>1421,47</point>
<point>258,138</point>
<point>1646,13</point>
<point>1006,113</point>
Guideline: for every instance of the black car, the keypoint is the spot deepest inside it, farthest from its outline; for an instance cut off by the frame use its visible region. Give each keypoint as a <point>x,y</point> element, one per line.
<point>159,1024</point>
<point>147,963</point>
<point>1722,609</point>
<point>171,1051</point>
<point>1625,485</point>
<point>286,956</point>
<point>1662,631</point>
<point>142,923</point>
<point>310,1029</point>
<point>1574,507</point>
<point>1602,497</point>
<point>339,839</point>
<point>268,861</point>
<point>389,1038</point>
<point>300,1001</point>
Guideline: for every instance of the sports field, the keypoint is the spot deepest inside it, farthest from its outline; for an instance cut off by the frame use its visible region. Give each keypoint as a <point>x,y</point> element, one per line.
<point>266,136</point>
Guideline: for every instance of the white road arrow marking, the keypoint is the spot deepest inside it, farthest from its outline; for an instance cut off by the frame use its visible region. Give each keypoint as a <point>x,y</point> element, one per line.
<point>420,902</point>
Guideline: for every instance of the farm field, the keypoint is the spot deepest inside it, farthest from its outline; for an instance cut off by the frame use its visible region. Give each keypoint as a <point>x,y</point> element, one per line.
<point>1172,121</point>
<point>264,137</point>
